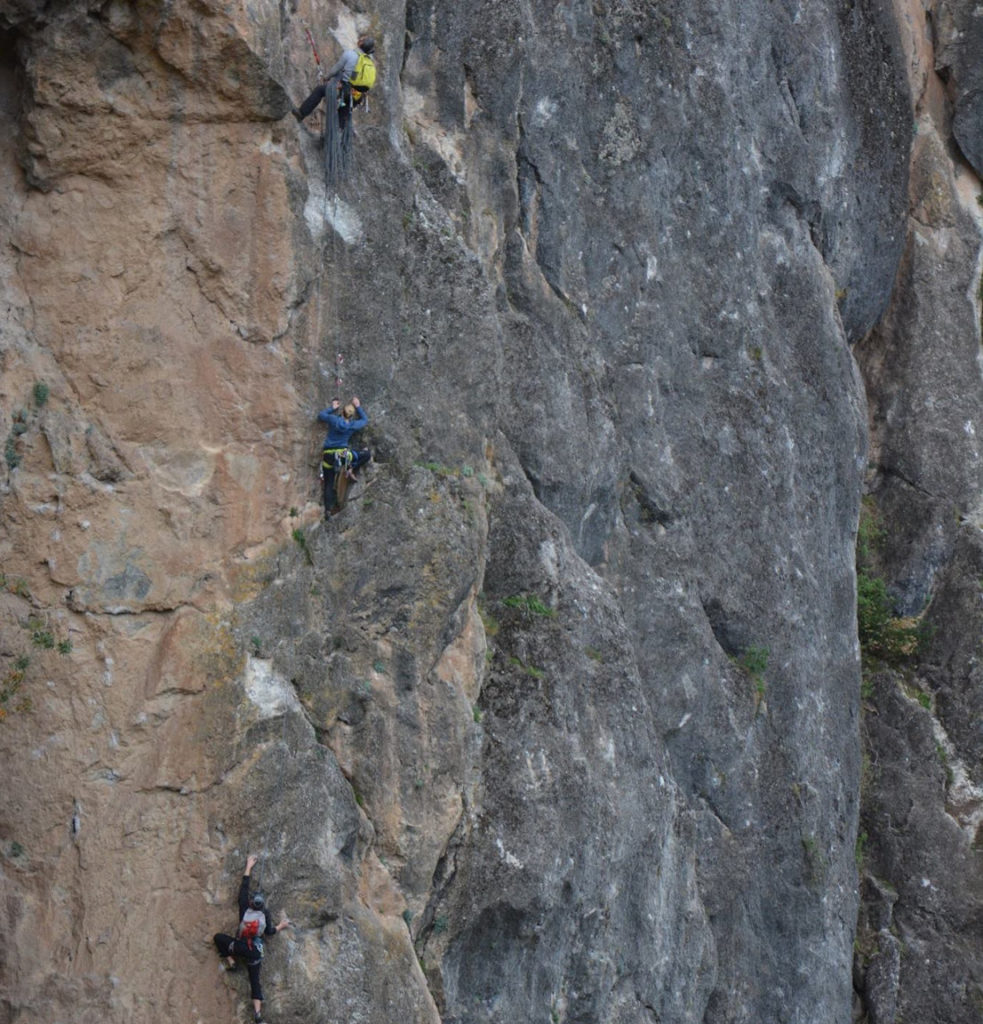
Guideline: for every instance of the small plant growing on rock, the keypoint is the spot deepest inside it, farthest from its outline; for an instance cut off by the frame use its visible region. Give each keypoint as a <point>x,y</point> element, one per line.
<point>870,532</point>
<point>884,636</point>
<point>487,620</point>
<point>860,850</point>
<point>816,865</point>
<point>10,453</point>
<point>529,603</point>
<point>437,468</point>
<point>10,684</point>
<point>20,421</point>
<point>15,585</point>
<point>41,636</point>
<point>530,670</point>
<point>754,662</point>
<point>300,539</point>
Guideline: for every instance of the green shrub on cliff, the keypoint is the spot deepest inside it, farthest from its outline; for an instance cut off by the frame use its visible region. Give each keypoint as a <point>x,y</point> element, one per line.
<point>884,636</point>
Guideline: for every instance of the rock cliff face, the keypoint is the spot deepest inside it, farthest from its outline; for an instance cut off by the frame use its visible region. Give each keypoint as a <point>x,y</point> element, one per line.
<point>919,940</point>
<point>560,719</point>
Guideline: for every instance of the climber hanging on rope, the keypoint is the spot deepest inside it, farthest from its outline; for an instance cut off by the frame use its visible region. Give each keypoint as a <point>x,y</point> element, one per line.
<point>355,70</point>
<point>339,461</point>
<point>247,943</point>
<point>345,85</point>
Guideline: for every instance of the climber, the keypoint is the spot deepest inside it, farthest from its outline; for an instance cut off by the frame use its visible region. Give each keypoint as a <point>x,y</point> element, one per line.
<point>247,943</point>
<point>351,78</point>
<point>338,456</point>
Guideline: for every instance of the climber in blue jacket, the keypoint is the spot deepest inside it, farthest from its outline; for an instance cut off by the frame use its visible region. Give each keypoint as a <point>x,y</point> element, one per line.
<point>338,456</point>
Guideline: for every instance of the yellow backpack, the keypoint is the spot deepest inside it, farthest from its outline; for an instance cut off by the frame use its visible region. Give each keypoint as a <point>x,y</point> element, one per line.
<point>363,77</point>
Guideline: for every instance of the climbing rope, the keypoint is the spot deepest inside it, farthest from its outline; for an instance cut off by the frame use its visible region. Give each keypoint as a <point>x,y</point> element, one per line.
<point>265,852</point>
<point>334,142</point>
<point>337,148</point>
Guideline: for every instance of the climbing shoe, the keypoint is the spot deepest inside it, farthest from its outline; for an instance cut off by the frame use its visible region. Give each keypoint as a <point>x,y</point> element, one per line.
<point>297,114</point>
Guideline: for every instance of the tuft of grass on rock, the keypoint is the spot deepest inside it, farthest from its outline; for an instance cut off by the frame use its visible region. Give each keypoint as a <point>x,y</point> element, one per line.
<point>300,539</point>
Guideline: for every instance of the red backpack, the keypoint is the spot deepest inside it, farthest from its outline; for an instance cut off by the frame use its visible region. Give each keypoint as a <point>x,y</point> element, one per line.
<point>252,927</point>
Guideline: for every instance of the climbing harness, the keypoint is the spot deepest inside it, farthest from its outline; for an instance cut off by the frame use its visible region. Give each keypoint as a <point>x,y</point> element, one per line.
<point>340,460</point>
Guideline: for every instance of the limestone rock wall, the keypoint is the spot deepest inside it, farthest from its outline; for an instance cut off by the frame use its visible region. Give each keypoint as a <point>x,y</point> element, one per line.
<point>560,719</point>
<point>919,931</point>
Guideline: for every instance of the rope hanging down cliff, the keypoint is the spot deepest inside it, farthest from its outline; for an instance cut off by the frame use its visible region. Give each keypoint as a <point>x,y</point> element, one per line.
<point>343,87</point>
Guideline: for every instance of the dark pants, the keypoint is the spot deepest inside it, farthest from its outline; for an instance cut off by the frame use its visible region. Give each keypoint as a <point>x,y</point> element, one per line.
<point>330,469</point>
<point>229,945</point>
<point>330,88</point>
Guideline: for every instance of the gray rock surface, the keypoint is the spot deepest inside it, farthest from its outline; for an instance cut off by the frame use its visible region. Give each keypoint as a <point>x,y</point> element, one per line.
<point>918,941</point>
<point>925,388</point>
<point>921,861</point>
<point>958,27</point>
<point>559,719</point>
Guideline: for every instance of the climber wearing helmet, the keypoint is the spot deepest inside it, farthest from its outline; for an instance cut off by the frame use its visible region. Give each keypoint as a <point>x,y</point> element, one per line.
<point>247,943</point>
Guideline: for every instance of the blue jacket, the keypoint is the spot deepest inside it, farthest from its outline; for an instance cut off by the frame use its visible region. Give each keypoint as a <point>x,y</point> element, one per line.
<point>340,430</point>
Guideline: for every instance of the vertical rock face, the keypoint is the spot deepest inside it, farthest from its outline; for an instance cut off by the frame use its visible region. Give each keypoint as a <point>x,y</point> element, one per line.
<point>958,43</point>
<point>560,717</point>
<point>919,940</point>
